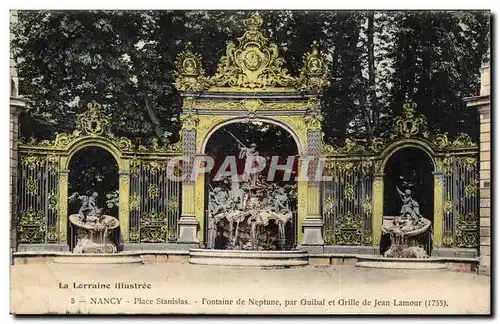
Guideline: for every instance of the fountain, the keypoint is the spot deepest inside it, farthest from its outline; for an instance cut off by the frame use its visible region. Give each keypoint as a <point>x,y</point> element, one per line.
<point>406,230</point>
<point>247,218</point>
<point>94,228</point>
<point>256,224</point>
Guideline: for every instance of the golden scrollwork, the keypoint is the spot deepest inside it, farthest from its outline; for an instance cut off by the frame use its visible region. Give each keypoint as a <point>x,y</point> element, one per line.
<point>157,147</point>
<point>189,74</point>
<point>471,189</point>
<point>92,123</point>
<point>189,121</point>
<point>410,124</point>
<point>349,192</point>
<point>367,206</point>
<point>469,162</point>
<point>253,63</point>
<point>32,161</point>
<point>250,105</point>
<point>153,191</point>
<point>135,201</point>
<point>466,232</point>
<point>461,141</point>
<point>154,228</point>
<point>313,121</point>
<point>31,227</point>
<point>314,74</point>
<point>377,144</point>
<point>329,204</point>
<point>348,230</point>
<point>32,186</point>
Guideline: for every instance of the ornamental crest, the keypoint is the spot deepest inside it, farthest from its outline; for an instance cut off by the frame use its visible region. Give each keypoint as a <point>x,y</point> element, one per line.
<point>189,74</point>
<point>253,63</point>
<point>409,124</point>
<point>314,72</point>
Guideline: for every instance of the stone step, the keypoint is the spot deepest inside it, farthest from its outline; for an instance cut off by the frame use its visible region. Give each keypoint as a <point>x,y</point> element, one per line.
<point>98,260</point>
<point>402,265</point>
<point>251,259</point>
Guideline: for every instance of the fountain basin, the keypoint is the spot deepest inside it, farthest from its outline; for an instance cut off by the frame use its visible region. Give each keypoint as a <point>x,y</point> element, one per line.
<point>252,259</point>
<point>379,262</point>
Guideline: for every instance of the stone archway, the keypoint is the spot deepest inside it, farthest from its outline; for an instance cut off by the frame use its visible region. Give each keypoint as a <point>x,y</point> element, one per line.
<point>275,144</point>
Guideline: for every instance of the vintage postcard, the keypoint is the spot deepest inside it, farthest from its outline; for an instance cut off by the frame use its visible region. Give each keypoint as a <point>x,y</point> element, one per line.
<point>250,162</point>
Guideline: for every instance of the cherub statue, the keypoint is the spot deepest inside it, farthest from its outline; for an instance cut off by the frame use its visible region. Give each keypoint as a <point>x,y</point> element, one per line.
<point>280,201</point>
<point>219,201</point>
<point>88,210</point>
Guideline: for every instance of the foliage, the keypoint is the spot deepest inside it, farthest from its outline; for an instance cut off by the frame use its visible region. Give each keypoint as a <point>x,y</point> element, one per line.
<point>125,60</point>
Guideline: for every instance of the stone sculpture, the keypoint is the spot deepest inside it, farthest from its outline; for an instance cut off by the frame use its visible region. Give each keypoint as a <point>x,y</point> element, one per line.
<point>406,230</point>
<point>255,220</point>
<point>93,228</point>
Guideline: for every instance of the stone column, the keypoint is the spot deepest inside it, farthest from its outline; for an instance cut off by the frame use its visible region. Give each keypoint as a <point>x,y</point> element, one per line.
<point>199,212</point>
<point>188,224</point>
<point>16,105</point>
<point>63,206</point>
<point>438,209</point>
<point>124,211</point>
<point>483,104</point>
<point>313,224</point>
<point>378,208</point>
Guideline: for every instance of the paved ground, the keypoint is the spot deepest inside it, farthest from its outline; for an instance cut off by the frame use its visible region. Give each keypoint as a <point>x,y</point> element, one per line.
<point>185,288</point>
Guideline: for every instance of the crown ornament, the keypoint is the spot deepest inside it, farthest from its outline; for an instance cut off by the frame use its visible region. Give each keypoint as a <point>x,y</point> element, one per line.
<point>254,22</point>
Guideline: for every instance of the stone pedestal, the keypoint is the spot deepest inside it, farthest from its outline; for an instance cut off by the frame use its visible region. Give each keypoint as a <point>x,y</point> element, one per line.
<point>188,227</point>
<point>313,235</point>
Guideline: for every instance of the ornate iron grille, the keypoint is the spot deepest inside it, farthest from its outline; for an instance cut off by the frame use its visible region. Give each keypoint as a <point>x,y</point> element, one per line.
<point>347,202</point>
<point>461,203</point>
<point>38,199</point>
<point>154,202</point>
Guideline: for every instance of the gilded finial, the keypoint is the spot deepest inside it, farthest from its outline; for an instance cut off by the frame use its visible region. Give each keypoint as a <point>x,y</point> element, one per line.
<point>314,48</point>
<point>254,22</point>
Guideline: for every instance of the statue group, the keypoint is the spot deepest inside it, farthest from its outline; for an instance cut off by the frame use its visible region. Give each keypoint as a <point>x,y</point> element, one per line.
<point>406,230</point>
<point>246,213</point>
<point>93,228</point>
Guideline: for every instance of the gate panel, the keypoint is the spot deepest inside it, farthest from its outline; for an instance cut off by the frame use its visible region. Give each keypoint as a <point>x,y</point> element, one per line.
<point>154,202</point>
<point>347,203</point>
<point>461,204</point>
<point>38,199</point>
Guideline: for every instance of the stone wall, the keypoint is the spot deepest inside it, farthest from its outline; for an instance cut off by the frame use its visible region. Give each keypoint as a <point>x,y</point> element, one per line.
<point>485,174</point>
<point>483,104</point>
<point>16,105</point>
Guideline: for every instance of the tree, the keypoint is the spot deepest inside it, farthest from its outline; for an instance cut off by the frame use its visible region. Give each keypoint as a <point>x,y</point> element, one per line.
<point>125,60</point>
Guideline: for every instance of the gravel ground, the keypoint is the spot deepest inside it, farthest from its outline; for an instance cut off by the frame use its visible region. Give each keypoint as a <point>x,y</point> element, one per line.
<point>184,288</point>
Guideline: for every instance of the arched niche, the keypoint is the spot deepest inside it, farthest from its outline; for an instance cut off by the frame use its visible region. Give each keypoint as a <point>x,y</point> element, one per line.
<point>300,143</point>
<point>271,140</point>
<point>408,167</point>
<point>85,142</point>
<point>93,169</point>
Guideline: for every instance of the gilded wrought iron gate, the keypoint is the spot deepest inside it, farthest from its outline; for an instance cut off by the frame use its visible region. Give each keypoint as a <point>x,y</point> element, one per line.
<point>461,204</point>
<point>38,199</point>
<point>155,202</point>
<point>149,202</point>
<point>347,202</point>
